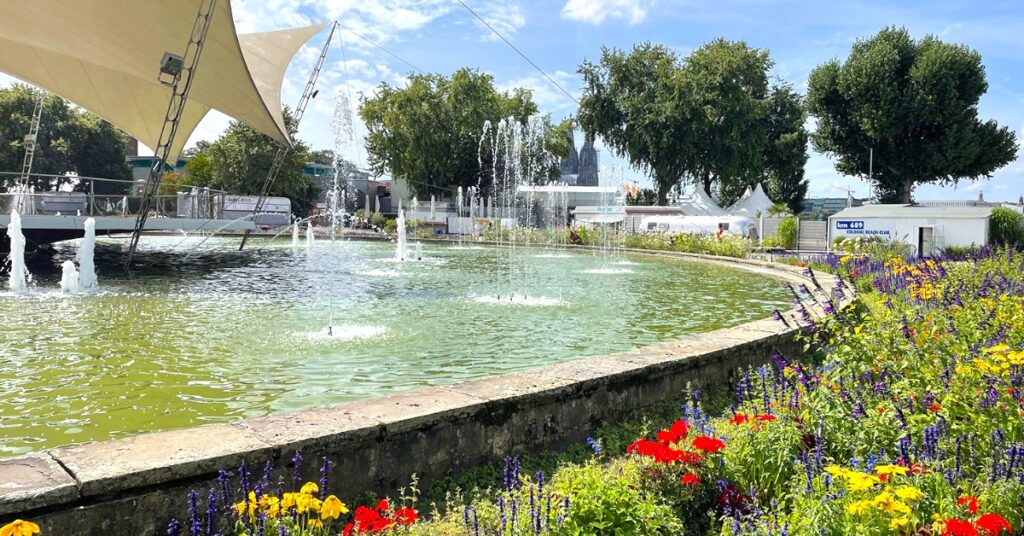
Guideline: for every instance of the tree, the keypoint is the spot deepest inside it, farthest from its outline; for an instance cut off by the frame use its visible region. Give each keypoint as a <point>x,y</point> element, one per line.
<point>635,104</point>
<point>642,197</point>
<point>429,132</point>
<point>728,82</point>
<point>69,139</point>
<point>709,119</point>
<point>915,104</point>
<point>785,153</point>
<point>238,162</point>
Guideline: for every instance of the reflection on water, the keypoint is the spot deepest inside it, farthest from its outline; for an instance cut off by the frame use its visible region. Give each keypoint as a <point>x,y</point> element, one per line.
<point>225,335</point>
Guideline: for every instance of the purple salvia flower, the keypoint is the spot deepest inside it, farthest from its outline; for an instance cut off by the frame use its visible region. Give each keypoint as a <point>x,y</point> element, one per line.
<point>325,470</point>
<point>174,528</point>
<point>243,475</point>
<point>211,511</point>
<point>195,523</point>
<point>225,493</point>
<point>297,471</point>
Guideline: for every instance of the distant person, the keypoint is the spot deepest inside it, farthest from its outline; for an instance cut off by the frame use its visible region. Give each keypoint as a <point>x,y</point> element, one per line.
<point>719,232</point>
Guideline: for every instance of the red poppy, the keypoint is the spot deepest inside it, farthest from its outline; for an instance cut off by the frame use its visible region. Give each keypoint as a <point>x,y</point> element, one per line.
<point>709,445</point>
<point>676,433</point>
<point>406,515</point>
<point>993,524</point>
<point>348,529</point>
<point>766,417</point>
<point>934,407</point>
<point>383,506</point>
<point>956,527</point>
<point>970,501</point>
<point>690,479</point>
<point>740,418</point>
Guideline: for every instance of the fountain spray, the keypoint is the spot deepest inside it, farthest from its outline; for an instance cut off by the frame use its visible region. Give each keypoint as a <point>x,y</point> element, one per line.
<point>18,278</point>
<point>86,265</point>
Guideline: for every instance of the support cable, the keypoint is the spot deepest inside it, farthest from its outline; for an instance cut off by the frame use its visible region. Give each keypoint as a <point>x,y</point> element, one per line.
<point>283,150</point>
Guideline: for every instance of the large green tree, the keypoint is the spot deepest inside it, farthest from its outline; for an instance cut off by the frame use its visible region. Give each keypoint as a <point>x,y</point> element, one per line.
<point>785,152</point>
<point>429,133</point>
<point>238,162</point>
<point>915,104</point>
<point>69,139</point>
<point>635,103</point>
<point>710,119</point>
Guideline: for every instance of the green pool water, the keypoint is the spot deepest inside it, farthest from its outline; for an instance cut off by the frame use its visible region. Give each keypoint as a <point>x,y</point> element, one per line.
<point>220,335</point>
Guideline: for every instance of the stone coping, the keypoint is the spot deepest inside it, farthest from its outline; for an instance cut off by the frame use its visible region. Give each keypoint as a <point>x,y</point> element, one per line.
<point>65,478</point>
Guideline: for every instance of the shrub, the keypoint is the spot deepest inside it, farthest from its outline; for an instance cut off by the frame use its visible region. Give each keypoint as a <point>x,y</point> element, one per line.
<point>378,220</point>
<point>704,244</point>
<point>1006,227</point>
<point>786,234</point>
<point>611,500</point>
<point>875,247</point>
<point>389,226</point>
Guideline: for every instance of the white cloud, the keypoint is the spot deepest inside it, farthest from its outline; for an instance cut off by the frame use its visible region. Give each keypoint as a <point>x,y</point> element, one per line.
<point>596,11</point>
<point>548,98</point>
<point>506,18</point>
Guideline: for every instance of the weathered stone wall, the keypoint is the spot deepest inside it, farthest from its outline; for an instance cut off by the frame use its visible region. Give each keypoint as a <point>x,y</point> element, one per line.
<point>134,485</point>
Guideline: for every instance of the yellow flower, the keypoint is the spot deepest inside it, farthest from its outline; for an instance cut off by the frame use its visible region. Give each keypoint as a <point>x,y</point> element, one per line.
<point>19,528</point>
<point>909,493</point>
<point>240,508</point>
<point>273,507</point>
<point>887,503</point>
<point>861,481</point>
<point>898,522</point>
<point>316,523</point>
<point>857,508</point>
<point>288,501</point>
<point>332,508</point>
<point>898,470</point>
<point>309,488</point>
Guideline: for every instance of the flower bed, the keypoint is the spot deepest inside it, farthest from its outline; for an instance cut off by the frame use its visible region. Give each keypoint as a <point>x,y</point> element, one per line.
<point>912,422</point>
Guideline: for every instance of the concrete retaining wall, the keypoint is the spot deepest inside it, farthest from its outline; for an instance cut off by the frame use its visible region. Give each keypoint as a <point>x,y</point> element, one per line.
<point>134,485</point>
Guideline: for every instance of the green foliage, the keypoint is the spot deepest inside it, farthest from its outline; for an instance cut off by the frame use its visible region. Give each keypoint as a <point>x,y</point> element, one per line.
<point>875,247</point>
<point>69,139</point>
<point>786,236</point>
<point>711,117</point>
<point>643,197</point>
<point>428,133</point>
<point>916,104</point>
<point>611,500</point>
<point>703,244</point>
<point>1006,227</point>
<point>238,162</point>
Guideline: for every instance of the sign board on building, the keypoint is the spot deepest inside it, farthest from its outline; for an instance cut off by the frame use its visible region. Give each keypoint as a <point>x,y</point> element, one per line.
<point>860,227</point>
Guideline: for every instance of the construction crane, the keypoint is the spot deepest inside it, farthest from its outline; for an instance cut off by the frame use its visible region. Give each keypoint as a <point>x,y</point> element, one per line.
<point>177,73</point>
<point>282,151</point>
<point>849,194</point>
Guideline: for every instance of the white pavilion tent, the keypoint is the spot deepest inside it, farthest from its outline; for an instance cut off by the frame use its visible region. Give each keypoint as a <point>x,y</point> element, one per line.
<point>700,204</point>
<point>752,204</point>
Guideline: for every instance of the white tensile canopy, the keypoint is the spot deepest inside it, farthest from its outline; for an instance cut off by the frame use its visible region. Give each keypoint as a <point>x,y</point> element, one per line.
<point>700,204</point>
<point>753,203</point>
<point>104,56</point>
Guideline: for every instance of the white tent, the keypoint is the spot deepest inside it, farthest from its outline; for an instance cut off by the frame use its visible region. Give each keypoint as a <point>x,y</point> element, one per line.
<point>104,56</point>
<point>753,203</point>
<point>700,204</point>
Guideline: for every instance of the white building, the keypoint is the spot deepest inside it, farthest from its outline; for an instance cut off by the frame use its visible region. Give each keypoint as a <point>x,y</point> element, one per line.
<point>926,230</point>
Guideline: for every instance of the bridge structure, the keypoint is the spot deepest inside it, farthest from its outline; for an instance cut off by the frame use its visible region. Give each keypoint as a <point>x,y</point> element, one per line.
<point>55,208</point>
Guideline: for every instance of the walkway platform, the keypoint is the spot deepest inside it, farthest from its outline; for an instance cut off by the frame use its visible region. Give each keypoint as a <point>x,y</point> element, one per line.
<point>42,229</point>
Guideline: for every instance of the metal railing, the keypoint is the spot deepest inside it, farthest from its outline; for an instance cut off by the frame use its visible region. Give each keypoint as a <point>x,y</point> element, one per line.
<point>92,196</point>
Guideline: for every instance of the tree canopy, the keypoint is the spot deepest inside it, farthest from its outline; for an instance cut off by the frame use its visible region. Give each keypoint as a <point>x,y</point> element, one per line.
<point>915,104</point>
<point>238,162</point>
<point>710,119</point>
<point>429,132</point>
<point>69,139</point>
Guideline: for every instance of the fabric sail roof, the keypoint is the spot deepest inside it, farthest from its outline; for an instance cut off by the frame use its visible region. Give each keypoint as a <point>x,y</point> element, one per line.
<point>700,204</point>
<point>753,203</point>
<point>104,56</point>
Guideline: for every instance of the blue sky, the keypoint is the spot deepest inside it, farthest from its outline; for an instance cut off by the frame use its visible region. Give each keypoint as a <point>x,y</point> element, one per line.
<point>441,36</point>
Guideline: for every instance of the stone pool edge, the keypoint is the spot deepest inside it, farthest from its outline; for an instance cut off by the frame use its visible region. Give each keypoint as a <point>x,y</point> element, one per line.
<point>135,484</point>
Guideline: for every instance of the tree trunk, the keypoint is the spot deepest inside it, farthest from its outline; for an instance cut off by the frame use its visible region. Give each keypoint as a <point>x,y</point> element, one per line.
<point>706,183</point>
<point>906,192</point>
<point>662,193</point>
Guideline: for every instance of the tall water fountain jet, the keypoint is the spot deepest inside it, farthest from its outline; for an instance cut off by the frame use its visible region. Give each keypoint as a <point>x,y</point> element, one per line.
<point>86,252</point>
<point>18,278</point>
<point>344,135</point>
<point>295,234</point>
<point>402,252</point>
<point>69,278</point>
<point>309,235</point>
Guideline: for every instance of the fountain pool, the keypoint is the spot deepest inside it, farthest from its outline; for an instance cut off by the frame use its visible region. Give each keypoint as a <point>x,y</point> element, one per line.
<point>228,335</point>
